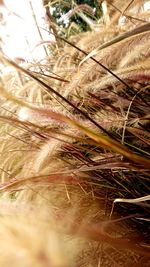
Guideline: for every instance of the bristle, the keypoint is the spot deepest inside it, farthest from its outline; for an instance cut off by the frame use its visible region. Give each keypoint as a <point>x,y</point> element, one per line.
<point>74,148</point>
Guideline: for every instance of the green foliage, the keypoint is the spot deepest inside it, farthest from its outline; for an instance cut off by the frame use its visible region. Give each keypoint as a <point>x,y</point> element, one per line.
<point>62,12</point>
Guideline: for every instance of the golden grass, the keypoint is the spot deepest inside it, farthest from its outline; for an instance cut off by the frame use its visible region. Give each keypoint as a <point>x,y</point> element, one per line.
<point>74,150</point>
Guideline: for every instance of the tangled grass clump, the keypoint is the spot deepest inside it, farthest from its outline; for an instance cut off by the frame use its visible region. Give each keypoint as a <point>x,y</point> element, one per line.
<point>75,155</point>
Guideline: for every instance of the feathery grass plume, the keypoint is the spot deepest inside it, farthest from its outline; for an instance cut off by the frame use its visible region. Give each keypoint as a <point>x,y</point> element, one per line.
<point>74,148</point>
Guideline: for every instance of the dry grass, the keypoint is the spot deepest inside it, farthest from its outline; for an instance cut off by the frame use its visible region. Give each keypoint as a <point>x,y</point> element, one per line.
<point>74,150</point>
